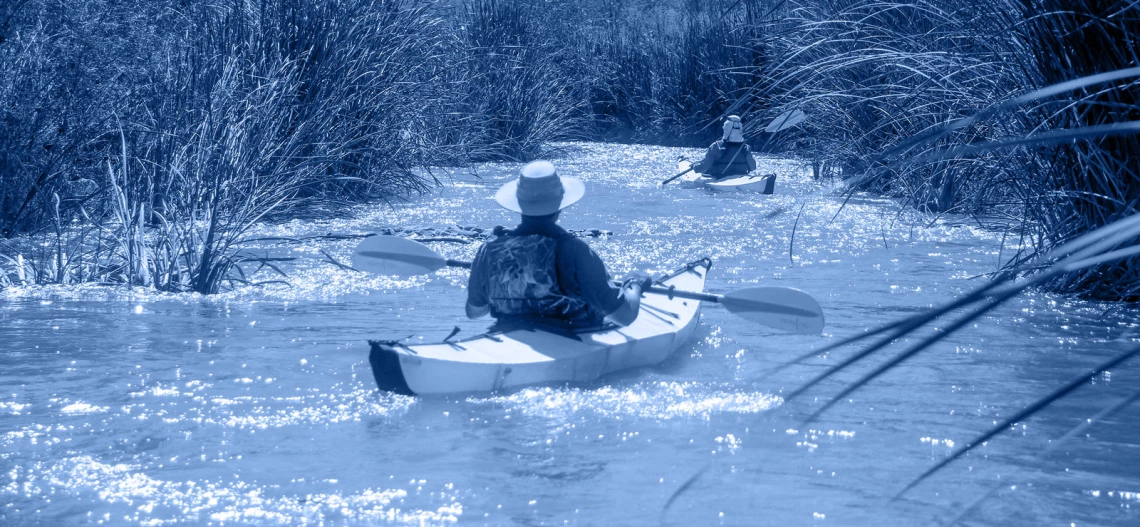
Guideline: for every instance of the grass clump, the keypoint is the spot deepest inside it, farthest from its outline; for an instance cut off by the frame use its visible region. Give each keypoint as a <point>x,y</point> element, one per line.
<point>1095,181</point>
<point>918,100</point>
<point>196,122</point>
<point>233,111</point>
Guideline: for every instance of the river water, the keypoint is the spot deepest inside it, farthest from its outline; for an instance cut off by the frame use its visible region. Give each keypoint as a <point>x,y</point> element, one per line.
<point>258,406</point>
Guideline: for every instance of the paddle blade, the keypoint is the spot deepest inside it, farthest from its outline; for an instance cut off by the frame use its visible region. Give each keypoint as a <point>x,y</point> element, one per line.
<point>783,308</point>
<point>393,255</point>
<point>785,120</point>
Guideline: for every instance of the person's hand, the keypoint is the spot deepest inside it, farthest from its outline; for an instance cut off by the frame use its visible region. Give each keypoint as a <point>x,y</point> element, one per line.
<point>639,277</point>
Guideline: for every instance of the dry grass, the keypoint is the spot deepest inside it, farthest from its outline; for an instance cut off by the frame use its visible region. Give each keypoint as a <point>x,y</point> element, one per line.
<point>917,100</point>
<point>231,111</point>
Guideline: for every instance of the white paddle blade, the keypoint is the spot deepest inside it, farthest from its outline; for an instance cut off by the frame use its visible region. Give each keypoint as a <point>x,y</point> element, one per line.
<point>393,255</point>
<point>783,308</point>
<point>785,120</point>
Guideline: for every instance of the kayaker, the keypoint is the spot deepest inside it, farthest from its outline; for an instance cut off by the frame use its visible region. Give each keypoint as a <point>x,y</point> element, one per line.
<point>729,156</point>
<point>540,274</point>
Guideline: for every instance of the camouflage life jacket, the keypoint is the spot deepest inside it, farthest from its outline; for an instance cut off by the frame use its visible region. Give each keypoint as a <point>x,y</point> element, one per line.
<point>733,160</point>
<point>523,280</point>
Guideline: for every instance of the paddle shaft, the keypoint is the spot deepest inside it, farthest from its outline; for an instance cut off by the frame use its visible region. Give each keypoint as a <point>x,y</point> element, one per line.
<point>691,295</point>
<point>690,169</point>
<point>414,258</point>
<point>779,307</point>
<point>706,297</point>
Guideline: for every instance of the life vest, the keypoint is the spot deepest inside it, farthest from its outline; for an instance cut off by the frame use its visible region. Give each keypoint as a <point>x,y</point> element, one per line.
<point>733,160</point>
<point>523,280</point>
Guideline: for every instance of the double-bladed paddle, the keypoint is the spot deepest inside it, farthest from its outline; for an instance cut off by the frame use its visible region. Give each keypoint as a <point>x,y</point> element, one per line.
<point>686,171</point>
<point>783,121</point>
<point>783,308</point>
<point>786,120</point>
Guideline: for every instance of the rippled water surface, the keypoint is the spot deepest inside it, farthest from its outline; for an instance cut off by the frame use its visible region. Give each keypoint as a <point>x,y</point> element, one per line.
<point>258,406</point>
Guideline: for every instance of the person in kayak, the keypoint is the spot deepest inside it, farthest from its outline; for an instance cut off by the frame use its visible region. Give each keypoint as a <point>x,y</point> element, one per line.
<point>729,156</point>
<point>541,275</point>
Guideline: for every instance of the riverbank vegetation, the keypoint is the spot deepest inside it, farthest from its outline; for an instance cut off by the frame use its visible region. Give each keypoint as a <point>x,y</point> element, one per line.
<point>139,141</point>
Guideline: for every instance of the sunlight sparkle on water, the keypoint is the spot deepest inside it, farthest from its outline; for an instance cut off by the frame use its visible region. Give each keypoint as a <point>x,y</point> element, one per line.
<point>258,406</point>
<point>158,501</point>
<point>660,400</point>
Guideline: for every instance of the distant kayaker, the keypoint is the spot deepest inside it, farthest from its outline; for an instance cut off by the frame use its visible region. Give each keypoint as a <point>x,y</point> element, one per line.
<point>540,274</point>
<point>729,156</point>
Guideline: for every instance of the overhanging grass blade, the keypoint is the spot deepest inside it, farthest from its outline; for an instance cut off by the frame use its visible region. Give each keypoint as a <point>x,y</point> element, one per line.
<point>1022,415</point>
<point>1042,93</point>
<point>1048,138</point>
<point>912,351</point>
<point>898,329</point>
<point>1103,414</point>
<point>998,298</point>
<point>1088,423</point>
<point>1082,252</point>
<point>680,490</point>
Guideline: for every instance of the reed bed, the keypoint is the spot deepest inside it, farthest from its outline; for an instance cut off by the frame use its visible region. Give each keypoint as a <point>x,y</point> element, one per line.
<point>1094,180</point>
<point>919,100</point>
<point>1051,144</point>
<point>245,114</point>
<point>145,138</point>
<point>236,111</point>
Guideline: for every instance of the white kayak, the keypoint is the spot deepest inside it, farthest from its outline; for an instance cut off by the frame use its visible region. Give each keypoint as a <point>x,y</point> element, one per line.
<point>510,359</point>
<point>691,179</point>
<point>762,183</point>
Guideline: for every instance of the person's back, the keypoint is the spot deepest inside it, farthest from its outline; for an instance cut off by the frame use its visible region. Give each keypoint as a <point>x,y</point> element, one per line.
<point>540,275</point>
<point>730,156</point>
<point>520,273</point>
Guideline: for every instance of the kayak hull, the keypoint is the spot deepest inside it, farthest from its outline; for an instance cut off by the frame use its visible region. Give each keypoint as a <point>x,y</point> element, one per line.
<point>511,359</point>
<point>761,183</point>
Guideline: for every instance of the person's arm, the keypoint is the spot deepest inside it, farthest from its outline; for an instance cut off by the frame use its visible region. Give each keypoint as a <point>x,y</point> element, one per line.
<point>633,285</point>
<point>477,302</point>
<point>711,156</point>
<point>619,304</point>
<point>474,312</point>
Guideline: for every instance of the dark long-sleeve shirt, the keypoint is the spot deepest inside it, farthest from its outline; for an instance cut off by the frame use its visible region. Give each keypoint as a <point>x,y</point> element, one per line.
<point>726,159</point>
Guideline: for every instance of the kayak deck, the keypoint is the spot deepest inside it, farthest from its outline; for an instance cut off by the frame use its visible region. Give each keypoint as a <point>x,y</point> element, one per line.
<point>514,358</point>
<point>762,183</point>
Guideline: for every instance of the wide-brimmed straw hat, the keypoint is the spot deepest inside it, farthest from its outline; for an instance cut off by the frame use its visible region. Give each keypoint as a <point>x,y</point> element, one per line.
<point>539,191</point>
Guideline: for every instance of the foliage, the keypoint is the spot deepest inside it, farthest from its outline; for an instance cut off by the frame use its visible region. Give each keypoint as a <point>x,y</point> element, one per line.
<point>178,124</point>
<point>1093,182</point>
<point>918,100</point>
<point>240,111</point>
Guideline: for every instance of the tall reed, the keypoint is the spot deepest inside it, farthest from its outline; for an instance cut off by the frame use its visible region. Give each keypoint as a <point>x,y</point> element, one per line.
<point>240,112</point>
<point>1093,182</point>
<point>515,88</point>
<point>884,78</point>
<point>874,73</point>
